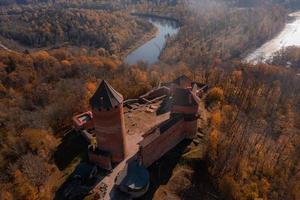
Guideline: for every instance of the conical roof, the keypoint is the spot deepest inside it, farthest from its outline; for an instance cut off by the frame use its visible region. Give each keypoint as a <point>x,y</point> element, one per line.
<point>105,97</point>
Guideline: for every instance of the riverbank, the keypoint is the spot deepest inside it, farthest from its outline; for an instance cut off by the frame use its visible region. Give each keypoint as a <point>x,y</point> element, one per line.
<point>149,15</point>
<point>289,35</point>
<point>147,37</point>
<point>150,51</point>
<point>14,45</point>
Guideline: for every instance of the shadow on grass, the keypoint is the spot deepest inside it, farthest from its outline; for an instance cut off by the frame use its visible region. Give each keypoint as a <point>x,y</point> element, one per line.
<point>161,170</point>
<point>73,145</point>
<point>203,187</point>
<point>77,189</point>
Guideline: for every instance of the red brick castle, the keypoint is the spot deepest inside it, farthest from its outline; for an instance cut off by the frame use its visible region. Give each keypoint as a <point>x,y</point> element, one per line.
<point>104,126</point>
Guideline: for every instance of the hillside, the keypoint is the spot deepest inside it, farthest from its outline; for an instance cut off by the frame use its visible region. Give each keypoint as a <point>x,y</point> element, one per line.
<point>37,27</point>
<point>39,93</point>
<point>213,32</point>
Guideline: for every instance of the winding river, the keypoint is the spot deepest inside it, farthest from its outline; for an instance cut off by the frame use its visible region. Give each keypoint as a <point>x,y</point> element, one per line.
<point>149,52</point>
<point>289,36</point>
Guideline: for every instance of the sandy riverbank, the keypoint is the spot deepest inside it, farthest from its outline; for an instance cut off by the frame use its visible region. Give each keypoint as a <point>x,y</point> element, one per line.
<point>289,36</point>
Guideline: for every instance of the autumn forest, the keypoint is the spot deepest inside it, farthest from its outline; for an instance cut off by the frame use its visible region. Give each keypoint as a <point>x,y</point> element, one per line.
<point>54,54</point>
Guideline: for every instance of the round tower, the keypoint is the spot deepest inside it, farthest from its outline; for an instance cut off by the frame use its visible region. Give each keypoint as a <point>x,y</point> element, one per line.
<point>108,117</point>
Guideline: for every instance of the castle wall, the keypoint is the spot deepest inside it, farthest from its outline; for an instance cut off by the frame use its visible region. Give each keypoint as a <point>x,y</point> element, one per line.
<point>110,132</point>
<point>103,161</point>
<point>185,109</point>
<point>156,93</point>
<point>152,151</point>
<point>86,124</point>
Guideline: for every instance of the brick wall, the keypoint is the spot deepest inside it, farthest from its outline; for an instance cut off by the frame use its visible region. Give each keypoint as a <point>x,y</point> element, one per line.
<point>185,109</point>
<point>154,150</point>
<point>110,132</point>
<point>102,161</point>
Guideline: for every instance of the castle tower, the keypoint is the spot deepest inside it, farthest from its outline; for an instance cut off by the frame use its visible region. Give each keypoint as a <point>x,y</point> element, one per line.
<point>108,117</point>
<point>186,103</point>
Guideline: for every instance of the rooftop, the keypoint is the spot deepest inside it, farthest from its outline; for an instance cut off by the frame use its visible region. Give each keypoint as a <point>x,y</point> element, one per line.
<point>106,97</point>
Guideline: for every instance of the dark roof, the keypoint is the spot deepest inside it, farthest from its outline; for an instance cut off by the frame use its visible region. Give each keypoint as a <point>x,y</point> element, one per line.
<point>181,79</point>
<point>184,97</point>
<point>106,97</point>
<point>169,123</point>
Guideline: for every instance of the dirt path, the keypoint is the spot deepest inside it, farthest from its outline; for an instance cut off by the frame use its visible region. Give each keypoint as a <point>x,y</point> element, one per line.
<point>5,48</point>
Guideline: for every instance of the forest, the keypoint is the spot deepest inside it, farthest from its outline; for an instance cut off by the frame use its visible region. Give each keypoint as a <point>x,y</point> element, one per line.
<point>223,34</point>
<point>48,27</point>
<point>288,57</point>
<point>40,92</point>
<point>60,51</point>
<point>255,134</point>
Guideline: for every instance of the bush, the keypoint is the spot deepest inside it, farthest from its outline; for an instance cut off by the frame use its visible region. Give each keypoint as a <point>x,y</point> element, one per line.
<point>213,144</point>
<point>40,141</point>
<point>215,95</point>
<point>229,188</point>
<point>216,119</point>
<point>35,169</point>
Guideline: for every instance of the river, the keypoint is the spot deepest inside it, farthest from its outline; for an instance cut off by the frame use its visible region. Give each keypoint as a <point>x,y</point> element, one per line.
<point>149,52</point>
<point>289,36</point>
